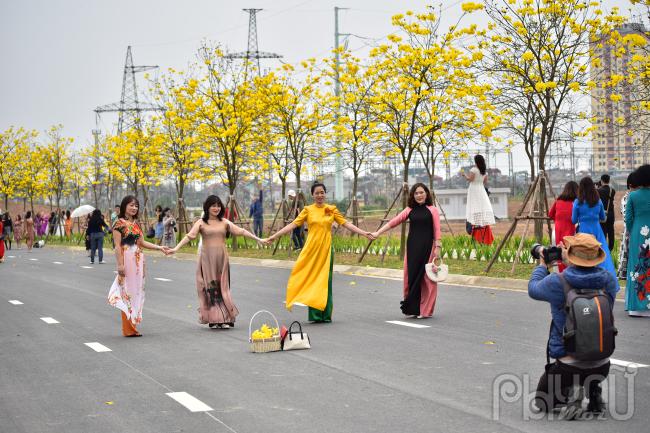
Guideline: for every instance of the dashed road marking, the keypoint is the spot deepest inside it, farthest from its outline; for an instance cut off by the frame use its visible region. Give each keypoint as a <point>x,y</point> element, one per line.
<point>49,320</point>
<point>626,363</point>
<point>98,347</point>
<point>87,267</point>
<point>34,260</point>
<point>411,325</point>
<point>162,279</point>
<point>190,402</point>
<point>58,263</point>
<point>15,302</point>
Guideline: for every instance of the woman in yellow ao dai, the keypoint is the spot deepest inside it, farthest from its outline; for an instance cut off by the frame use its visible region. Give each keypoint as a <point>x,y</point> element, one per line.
<point>310,282</point>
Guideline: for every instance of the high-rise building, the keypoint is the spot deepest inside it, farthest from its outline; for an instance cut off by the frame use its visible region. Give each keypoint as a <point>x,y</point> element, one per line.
<point>622,138</point>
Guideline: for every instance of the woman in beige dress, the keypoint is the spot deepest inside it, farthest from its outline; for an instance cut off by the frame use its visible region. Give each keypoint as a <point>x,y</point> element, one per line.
<point>216,307</point>
<point>29,231</point>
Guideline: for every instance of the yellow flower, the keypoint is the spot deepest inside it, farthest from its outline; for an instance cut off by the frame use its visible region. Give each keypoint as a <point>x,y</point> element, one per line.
<point>470,7</point>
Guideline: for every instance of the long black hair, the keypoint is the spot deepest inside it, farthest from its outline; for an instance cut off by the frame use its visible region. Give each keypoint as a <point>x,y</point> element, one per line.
<point>125,201</point>
<point>28,214</point>
<point>570,191</point>
<point>412,203</point>
<point>208,203</point>
<point>316,185</point>
<point>587,192</point>
<point>480,164</point>
<point>96,217</point>
<point>643,176</point>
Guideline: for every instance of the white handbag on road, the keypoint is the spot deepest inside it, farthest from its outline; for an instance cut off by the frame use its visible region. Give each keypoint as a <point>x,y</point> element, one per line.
<point>295,340</point>
<point>440,273</point>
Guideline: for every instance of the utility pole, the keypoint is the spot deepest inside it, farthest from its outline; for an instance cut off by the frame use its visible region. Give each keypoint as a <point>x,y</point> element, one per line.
<point>338,168</point>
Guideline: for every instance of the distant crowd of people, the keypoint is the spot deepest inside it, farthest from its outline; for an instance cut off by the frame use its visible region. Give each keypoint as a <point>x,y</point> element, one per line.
<point>588,207</point>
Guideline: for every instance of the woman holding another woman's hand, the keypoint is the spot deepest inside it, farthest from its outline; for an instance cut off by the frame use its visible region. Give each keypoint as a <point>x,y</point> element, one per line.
<point>310,282</point>
<point>422,247</point>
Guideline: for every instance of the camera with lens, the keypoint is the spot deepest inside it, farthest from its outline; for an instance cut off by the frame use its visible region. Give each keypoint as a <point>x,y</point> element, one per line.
<point>550,254</point>
<point>172,223</point>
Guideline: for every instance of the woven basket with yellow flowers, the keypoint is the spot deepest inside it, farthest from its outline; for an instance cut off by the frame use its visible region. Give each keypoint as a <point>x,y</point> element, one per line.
<point>265,338</point>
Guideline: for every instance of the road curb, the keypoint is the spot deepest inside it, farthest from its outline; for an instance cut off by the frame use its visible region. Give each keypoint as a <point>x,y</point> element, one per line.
<point>369,271</point>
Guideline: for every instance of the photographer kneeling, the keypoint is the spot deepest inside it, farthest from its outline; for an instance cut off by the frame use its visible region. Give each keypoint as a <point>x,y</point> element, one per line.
<point>581,337</point>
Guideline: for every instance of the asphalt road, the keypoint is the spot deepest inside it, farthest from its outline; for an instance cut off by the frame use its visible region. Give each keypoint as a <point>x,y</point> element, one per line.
<point>363,373</point>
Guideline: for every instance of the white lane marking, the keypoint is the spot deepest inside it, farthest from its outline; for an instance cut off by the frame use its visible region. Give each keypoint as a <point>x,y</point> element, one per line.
<point>34,260</point>
<point>15,302</point>
<point>97,347</point>
<point>162,279</point>
<point>58,263</point>
<point>627,363</point>
<point>49,320</point>
<point>87,267</point>
<point>11,257</point>
<point>190,402</point>
<point>412,325</point>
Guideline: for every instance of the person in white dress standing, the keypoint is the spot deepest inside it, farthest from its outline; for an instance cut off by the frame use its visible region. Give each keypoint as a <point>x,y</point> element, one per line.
<point>479,213</point>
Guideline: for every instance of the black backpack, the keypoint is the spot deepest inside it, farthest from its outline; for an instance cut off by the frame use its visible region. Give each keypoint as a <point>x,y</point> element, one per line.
<point>589,330</point>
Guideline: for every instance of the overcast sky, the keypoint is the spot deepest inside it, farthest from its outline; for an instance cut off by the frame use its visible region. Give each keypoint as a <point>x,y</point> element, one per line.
<point>63,58</point>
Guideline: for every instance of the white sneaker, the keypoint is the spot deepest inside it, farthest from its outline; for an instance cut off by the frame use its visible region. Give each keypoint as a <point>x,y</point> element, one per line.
<point>101,262</point>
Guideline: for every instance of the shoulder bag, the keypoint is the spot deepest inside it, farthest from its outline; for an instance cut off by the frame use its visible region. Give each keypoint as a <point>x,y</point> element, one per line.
<point>441,272</point>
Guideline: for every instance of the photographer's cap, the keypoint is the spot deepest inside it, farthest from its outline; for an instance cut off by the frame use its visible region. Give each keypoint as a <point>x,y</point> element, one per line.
<point>583,249</point>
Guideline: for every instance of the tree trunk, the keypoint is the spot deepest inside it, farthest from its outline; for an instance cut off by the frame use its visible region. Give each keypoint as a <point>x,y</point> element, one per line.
<point>182,215</point>
<point>355,208</point>
<point>232,209</point>
<point>6,202</point>
<point>283,181</point>
<point>145,200</point>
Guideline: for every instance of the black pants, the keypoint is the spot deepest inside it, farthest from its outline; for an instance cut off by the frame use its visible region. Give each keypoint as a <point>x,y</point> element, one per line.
<point>608,229</point>
<point>296,237</point>
<point>557,377</point>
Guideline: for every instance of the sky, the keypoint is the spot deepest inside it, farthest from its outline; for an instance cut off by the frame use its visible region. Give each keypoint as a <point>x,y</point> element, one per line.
<point>63,58</point>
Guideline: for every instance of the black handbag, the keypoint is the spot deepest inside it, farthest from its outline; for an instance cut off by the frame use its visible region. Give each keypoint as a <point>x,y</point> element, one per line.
<point>151,233</point>
<point>469,228</point>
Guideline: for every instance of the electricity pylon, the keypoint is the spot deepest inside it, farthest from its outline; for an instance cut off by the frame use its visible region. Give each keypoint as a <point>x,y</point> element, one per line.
<point>252,52</point>
<point>130,108</point>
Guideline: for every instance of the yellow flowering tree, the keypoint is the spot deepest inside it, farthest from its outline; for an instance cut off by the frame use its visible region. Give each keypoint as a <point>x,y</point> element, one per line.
<point>355,127</point>
<point>426,89</point>
<point>539,53</point>
<point>184,153</point>
<point>296,114</point>
<point>624,93</point>
<point>33,174</point>
<point>58,165</point>
<point>135,157</point>
<point>227,106</point>
<point>14,153</point>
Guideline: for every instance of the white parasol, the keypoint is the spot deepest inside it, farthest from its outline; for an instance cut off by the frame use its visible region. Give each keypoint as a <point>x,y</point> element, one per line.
<point>82,210</point>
